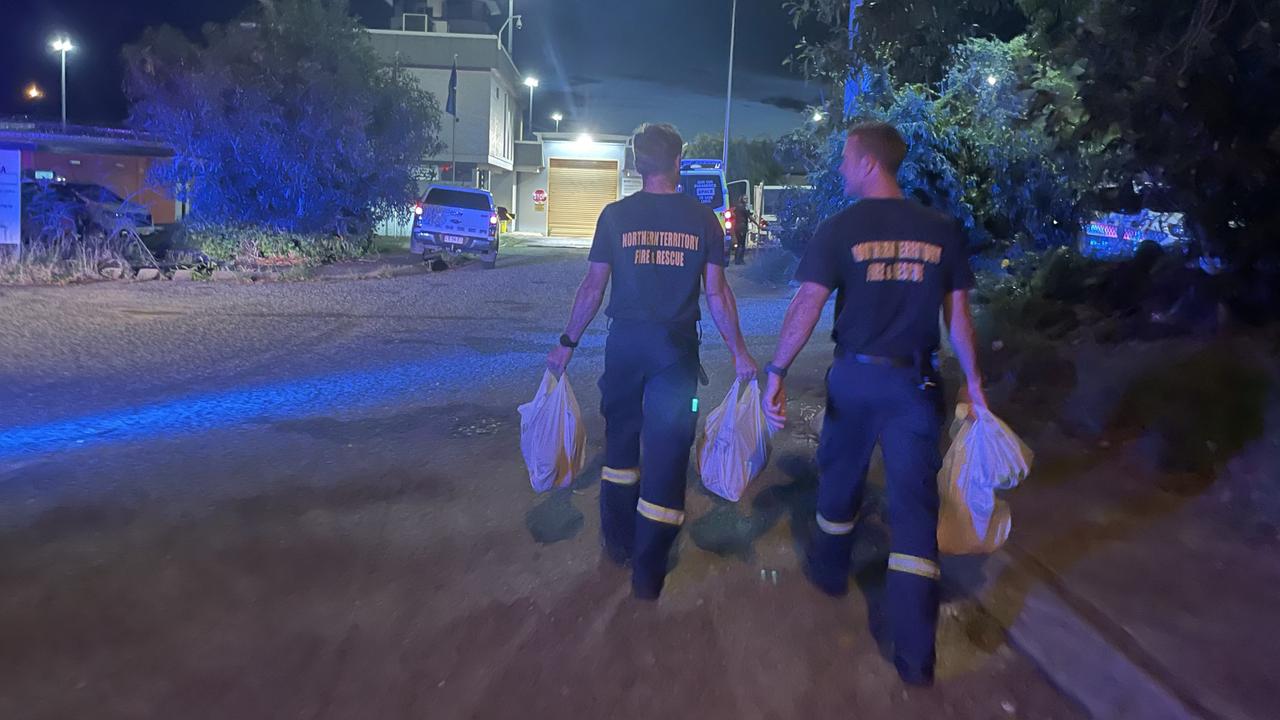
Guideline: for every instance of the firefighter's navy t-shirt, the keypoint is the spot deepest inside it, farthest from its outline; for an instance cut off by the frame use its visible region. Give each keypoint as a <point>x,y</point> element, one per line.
<point>657,246</point>
<point>893,261</point>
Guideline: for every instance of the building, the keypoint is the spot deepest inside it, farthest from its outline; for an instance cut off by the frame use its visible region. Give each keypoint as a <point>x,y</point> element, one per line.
<point>572,179</point>
<point>556,183</point>
<point>479,148</point>
<point>119,160</point>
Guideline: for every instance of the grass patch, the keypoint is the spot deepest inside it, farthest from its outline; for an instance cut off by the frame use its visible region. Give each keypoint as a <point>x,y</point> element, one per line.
<point>389,244</point>
<point>1206,408</point>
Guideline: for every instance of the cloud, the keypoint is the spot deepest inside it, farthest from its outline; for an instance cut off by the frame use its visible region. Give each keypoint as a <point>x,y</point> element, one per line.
<point>786,103</point>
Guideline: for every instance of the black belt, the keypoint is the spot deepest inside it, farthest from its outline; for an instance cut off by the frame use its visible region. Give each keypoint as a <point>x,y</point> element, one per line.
<point>901,361</point>
<point>923,362</point>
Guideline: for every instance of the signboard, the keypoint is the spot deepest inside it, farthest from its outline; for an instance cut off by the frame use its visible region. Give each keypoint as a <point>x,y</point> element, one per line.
<point>706,189</point>
<point>10,197</point>
<point>539,199</point>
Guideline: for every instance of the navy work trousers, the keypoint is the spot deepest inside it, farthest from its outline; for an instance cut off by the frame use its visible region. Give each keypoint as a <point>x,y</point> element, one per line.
<point>647,398</point>
<point>867,404</point>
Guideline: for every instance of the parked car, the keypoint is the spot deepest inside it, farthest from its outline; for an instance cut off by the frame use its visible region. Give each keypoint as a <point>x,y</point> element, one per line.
<point>456,221</point>
<point>91,206</point>
<point>1128,215</point>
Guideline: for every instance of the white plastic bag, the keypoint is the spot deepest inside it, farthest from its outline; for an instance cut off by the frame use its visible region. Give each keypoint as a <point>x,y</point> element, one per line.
<point>553,439</point>
<point>734,446</point>
<point>985,456</point>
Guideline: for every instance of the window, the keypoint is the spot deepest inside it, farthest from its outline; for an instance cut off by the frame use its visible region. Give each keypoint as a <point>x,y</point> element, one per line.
<point>95,193</point>
<point>458,199</point>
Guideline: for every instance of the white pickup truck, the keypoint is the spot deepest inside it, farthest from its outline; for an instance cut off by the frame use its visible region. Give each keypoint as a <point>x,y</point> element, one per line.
<point>457,221</point>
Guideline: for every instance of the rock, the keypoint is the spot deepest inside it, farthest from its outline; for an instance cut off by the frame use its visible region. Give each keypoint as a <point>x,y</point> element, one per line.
<point>225,276</point>
<point>145,274</point>
<point>183,275</point>
<point>112,270</point>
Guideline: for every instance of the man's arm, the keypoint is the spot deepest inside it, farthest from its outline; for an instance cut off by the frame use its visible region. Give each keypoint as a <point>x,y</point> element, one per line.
<point>724,311</point>
<point>585,306</point>
<point>960,329</point>
<point>797,327</point>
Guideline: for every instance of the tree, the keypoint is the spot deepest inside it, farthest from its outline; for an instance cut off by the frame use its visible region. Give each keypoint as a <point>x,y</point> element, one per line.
<point>911,39</point>
<point>283,118</point>
<point>992,143</point>
<point>753,159</point>
<point>1193,88</point>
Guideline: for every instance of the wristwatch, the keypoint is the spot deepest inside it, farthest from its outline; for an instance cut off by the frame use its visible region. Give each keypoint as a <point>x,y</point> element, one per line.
<point>780,372</point>
<point>566,342</point>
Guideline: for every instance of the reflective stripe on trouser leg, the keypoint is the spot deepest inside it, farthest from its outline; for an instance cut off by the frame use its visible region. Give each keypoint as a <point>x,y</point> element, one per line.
<point>925,568</point>
<point>657,513</point>
<point>834,528</point>
<point>628,476</point>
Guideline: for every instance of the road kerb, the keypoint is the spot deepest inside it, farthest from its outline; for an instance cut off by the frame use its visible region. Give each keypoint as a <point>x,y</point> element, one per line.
<point>1085,661</point>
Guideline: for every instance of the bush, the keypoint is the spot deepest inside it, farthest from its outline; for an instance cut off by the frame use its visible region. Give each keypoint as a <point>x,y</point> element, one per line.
<point>253,245</point>
<point>1203,409</point>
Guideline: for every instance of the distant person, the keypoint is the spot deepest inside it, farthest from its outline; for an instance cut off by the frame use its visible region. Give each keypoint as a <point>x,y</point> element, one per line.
<point>896,264</point>
<point>742,218</point>
<point>660,247</point>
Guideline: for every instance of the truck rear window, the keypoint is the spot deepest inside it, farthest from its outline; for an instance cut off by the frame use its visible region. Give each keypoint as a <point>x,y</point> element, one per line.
<point>457,199</point>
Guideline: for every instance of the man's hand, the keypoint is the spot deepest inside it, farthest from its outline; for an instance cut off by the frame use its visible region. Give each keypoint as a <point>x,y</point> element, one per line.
<point>559,359</point>
<point>745,366</point>
<point>775,402</point>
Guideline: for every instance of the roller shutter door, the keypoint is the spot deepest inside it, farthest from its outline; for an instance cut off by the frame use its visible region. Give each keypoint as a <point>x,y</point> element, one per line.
<point>577,190</point>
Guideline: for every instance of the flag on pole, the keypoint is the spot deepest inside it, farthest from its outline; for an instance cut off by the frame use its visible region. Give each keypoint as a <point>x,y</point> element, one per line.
<point>451,106</point>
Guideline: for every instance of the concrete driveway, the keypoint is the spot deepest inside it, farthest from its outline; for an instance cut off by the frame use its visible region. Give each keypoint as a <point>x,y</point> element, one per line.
<point>307,500</point>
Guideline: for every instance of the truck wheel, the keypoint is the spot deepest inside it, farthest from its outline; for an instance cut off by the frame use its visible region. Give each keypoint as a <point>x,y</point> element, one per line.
<point>488,262</point>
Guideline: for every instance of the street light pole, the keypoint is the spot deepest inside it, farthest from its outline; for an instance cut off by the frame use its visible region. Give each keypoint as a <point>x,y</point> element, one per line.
<point>728,99</point>
<point>557,117</point>
<point>511,29</point>
<point>532,82</point>
<point>62,45</point>
<point>64,88</point>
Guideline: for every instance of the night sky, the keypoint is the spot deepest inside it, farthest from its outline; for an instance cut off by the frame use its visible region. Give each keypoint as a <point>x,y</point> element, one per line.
<point>606,64</point>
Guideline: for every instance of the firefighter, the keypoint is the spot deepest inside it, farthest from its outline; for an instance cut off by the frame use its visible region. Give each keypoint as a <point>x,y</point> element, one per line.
<point>659,248</point>
<point>896,263</point>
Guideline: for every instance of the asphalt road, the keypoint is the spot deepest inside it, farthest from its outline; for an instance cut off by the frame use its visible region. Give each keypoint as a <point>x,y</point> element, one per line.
<point>306,500</point>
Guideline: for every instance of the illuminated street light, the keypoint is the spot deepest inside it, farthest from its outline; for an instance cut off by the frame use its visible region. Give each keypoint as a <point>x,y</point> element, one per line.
<point>531,82</point>
<point>992,80</point>
<point>62,45</point>
<point>557,117</point>
<point>817,116</point>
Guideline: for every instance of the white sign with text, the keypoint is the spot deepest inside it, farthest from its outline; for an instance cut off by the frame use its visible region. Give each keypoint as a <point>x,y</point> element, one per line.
<point>10,197</point>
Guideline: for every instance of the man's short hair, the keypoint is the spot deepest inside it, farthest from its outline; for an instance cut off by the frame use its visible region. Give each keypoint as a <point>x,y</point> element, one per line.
<point>881,141</point>
<point>657,147</point>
